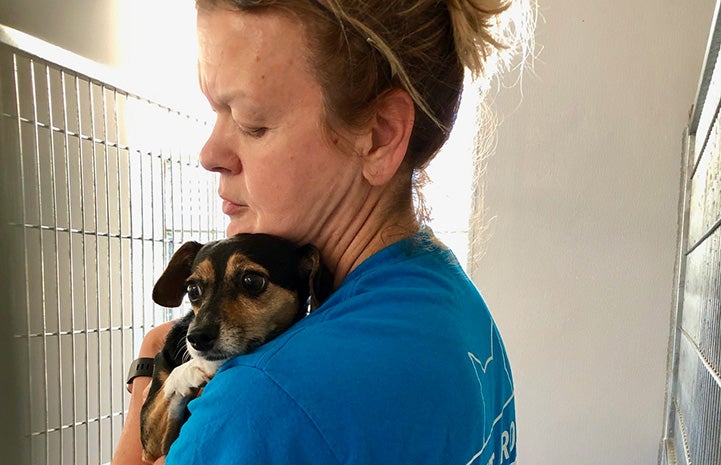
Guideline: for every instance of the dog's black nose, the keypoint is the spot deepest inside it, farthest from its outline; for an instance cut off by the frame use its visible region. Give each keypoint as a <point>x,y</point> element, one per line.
<point>201,341</point>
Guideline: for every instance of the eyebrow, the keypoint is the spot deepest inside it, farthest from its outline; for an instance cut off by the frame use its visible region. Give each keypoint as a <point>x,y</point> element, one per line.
<point>230,98</point>
<point>227,98</point>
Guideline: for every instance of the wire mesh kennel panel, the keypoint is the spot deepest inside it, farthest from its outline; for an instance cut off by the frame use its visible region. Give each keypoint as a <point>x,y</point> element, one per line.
<point>693,407</point>
<point>104,185</point>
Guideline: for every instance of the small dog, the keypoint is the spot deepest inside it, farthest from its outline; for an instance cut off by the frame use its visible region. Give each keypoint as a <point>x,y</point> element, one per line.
<point>244,291</point>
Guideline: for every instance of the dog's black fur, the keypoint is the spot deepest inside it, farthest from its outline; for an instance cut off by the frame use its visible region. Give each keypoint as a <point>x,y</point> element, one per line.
<point>244,290</point>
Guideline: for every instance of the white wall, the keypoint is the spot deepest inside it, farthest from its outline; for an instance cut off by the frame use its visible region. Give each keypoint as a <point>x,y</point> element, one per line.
<point>584,186</point>
<point>151,44</point>
<point>88,28</point>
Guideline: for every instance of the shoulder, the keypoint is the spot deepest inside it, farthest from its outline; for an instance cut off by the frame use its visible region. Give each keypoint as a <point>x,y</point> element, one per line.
<point>415,267</point>
<point>244,417</point>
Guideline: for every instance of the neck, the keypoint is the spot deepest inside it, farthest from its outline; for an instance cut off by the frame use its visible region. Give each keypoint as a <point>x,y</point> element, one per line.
<point>374,226</point>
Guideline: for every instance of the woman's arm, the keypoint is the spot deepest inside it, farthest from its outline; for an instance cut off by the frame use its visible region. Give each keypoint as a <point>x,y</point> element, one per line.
<point>128,450</point>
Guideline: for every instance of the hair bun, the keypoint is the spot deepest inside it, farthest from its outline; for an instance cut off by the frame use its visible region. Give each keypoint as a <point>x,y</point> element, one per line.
<point>488,33</point>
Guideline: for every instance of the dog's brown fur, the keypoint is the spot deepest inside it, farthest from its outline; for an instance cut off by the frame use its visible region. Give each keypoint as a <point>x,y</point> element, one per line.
<point>244,291</point>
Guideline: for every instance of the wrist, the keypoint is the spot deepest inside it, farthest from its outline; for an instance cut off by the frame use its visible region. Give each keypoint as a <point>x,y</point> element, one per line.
<point>140,368</point>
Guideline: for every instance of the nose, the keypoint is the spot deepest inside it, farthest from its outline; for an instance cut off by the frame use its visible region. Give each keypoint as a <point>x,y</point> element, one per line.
<point>202,340</point>
<point>219,154</point>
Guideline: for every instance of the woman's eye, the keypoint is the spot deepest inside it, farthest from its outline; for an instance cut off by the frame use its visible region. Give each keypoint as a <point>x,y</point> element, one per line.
<point>255,132</point>
<point>194,292</point>
<point>254,283</point>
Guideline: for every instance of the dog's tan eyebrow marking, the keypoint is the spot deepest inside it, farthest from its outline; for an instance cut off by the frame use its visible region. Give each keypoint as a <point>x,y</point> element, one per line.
<point>238,262</point>
<point>204,271</point>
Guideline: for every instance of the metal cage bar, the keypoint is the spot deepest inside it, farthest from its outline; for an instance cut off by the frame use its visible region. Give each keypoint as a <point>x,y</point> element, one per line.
<point>692,430</point>
<point>107,184</point>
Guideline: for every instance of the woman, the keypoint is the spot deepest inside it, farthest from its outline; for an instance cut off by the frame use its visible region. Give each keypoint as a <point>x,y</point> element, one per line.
<point>327,112</point>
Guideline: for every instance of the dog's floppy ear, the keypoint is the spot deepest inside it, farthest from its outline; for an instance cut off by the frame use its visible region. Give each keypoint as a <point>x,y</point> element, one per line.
<point>320,279</point>
<point>170,287</point>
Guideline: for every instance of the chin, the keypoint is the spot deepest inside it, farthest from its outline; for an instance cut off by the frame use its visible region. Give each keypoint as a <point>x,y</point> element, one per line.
<point>234,229</point>
<point>244,227</point>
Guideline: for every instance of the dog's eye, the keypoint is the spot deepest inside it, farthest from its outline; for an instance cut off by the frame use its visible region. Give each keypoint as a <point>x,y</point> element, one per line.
<point>254,283</point>
<point>194,292</point>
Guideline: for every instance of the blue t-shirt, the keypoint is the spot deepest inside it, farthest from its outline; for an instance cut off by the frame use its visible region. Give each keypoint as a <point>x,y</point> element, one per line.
<point>403,364</point>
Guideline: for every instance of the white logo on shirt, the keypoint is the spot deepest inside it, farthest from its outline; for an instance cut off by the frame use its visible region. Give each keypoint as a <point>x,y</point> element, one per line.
<point>481,367</point>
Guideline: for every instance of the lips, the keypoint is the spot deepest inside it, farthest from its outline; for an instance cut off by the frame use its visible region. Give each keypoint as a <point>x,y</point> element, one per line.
<point>231,208</point>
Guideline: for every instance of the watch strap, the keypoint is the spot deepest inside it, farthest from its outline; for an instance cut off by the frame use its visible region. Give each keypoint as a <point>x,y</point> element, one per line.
<point>140,367</point>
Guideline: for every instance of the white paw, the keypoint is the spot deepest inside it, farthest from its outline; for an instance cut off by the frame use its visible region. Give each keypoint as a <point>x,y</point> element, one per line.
<point>184,379</point>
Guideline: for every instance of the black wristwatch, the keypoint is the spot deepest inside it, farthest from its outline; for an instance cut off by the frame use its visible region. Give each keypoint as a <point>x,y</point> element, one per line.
<point>140,367</point>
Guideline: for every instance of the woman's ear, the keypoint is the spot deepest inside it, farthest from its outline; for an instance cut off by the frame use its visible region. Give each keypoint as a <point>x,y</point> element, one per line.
<point>391,130</point>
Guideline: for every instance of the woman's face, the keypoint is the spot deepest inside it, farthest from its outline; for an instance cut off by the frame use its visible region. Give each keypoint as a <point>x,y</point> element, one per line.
<point>279,174</point>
